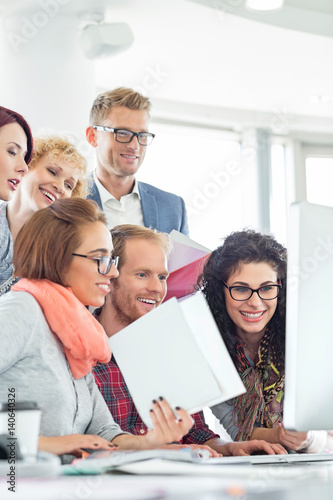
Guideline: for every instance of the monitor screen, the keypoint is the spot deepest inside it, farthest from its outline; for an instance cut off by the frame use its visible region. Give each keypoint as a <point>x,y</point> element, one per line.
<point>308,400</point>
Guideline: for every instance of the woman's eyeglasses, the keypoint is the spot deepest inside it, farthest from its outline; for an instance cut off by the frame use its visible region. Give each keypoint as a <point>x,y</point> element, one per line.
<point>267,292</point>
<point>104,264</point>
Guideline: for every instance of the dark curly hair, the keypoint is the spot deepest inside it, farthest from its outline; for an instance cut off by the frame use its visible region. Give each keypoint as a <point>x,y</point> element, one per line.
<point>244,247</point>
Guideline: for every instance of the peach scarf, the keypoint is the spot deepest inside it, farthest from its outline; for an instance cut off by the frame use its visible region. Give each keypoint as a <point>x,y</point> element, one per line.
<point>83,338</point>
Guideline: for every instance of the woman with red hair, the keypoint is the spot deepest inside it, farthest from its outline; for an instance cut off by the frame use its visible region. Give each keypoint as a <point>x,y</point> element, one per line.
<point>15,151</point>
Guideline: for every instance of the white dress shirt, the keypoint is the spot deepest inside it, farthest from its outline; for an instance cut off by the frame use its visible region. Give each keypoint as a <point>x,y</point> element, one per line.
<point>127,210</point>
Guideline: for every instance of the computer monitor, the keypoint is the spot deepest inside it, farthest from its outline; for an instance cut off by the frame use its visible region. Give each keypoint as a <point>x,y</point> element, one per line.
<point>308,400</point>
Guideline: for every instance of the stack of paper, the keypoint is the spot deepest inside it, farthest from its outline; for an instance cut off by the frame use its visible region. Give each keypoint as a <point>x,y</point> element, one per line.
<point>185,264</point>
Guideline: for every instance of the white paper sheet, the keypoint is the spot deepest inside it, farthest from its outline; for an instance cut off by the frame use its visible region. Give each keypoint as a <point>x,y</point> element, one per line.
<point>159,355</point>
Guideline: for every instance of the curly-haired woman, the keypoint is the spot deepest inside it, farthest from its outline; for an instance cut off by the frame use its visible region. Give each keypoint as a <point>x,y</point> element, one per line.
<point>244,281</point>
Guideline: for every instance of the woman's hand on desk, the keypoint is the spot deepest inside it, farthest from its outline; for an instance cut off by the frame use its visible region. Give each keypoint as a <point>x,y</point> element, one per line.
<point>73,444</point>
<point>290,439</point>
<point>242,448</point>
<point>293,440</point>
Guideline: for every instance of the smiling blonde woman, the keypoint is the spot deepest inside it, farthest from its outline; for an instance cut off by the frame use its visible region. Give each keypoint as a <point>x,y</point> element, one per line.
<point>56,171</point>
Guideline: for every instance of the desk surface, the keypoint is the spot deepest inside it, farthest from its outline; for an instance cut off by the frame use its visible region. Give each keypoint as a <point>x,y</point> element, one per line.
<point>273,482</point>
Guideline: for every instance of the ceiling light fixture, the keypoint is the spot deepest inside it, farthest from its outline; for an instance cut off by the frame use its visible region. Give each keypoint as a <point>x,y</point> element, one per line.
<point>99,39</point>
<point>103,40</point>
<point>263,4</point>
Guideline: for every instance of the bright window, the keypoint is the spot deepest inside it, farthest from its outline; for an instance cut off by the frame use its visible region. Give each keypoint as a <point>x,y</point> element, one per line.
<point>278,202</point>
<point>202,166</point>
<point>319,181</point>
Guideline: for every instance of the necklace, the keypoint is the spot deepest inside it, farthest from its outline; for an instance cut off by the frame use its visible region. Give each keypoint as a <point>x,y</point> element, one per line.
<point>249,348</point>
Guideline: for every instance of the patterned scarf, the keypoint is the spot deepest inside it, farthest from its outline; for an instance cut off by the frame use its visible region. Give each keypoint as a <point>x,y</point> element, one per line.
<point>264,382</point>
<point>83,338</point>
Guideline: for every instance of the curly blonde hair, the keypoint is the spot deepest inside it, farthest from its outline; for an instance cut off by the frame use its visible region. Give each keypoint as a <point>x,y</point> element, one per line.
<point>60,148</point>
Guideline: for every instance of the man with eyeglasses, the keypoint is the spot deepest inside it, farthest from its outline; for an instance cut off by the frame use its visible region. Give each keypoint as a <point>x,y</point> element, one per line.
<point>140,287</point>
<point>119,122</point>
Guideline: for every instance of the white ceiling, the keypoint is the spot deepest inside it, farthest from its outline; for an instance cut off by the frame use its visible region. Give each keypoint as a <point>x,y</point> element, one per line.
<point>310,16</point>
<point>211,55</point>
<point>214,59</point>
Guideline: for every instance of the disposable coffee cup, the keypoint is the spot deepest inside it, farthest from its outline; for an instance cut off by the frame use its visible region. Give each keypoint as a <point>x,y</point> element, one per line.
<point>21,422</point>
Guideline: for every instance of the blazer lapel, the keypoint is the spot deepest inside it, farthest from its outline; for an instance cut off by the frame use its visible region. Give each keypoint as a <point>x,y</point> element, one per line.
<point>149,207</point>
<point>94,193</point>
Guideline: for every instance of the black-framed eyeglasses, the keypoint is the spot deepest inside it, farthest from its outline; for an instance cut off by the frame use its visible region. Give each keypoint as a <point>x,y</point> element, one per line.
<point>267,292</point>
<point>104,264</point>
<point>126,136</point>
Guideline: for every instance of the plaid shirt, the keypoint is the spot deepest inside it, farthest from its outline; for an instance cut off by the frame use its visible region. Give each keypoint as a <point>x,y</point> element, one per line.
<point>120,403</point>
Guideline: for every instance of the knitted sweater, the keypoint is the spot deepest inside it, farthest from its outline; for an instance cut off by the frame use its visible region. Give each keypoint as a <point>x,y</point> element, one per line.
<point>34,366</point>
<point>6,252</point>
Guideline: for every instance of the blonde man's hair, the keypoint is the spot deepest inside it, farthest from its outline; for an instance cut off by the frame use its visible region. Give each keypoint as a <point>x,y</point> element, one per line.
<point>121,96</point>
<point>120,234</point>
<point>56,147</point>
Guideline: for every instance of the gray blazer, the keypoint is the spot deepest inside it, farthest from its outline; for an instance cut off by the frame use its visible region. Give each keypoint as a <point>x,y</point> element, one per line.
<point>161,210</point>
